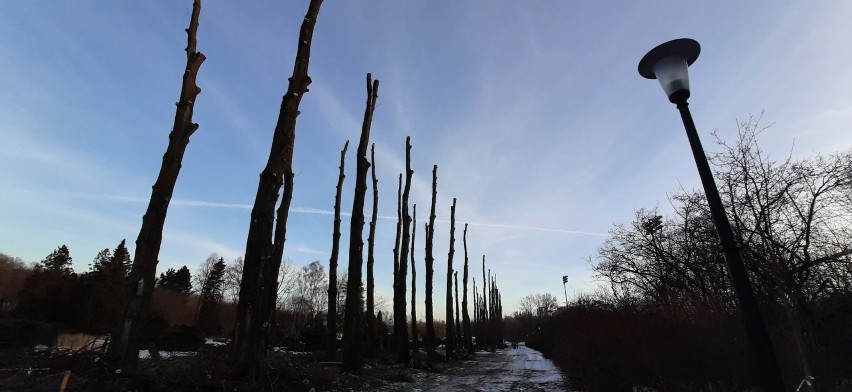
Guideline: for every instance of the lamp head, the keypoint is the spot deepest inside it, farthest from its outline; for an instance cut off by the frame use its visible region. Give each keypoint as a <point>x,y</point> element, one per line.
<point>668,63</point>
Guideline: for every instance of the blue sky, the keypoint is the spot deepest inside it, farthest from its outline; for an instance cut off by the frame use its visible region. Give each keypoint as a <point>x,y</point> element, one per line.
<point>534,113</point>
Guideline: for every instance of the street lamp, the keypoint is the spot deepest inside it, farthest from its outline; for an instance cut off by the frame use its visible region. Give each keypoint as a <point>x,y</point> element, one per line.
<point>669,63</point>
<point>564,282</point>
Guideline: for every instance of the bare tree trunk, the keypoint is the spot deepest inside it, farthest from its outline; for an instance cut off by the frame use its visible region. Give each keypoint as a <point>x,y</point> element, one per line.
<point>371,243</point>
<point>331,317</point>
<point>430,261</point>
<point>413,279</point>
<point>450,339</point>
<point>268,232</point>
<point>128,332</point>
<point>468,338</point>
<point>353,331</point>
<point>457,319</point>
<point>398,237</point>
<point>400,326</point>
<point>484,317</point>
<point>476,328</point>
<point>396,279</point>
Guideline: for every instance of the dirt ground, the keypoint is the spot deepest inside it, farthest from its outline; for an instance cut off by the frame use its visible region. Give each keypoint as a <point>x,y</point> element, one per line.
<point>521,369</point>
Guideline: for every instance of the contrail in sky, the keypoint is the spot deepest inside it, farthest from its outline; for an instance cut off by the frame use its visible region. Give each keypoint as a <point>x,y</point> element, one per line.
<point>317,211</point>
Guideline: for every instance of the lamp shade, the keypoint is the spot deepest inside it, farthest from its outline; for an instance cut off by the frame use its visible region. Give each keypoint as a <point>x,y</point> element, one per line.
<point>668,63</point>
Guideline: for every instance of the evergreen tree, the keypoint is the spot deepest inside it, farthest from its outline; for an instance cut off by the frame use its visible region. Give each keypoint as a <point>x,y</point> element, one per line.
<point>109,272</point>
<point>101,260</point>
<point>180,280</point>
<point>211,296</point>
<point>58,261</point>
<point>121,260</point>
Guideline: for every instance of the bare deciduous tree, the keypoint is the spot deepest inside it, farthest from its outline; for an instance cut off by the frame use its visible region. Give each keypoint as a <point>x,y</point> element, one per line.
<point>430,261</point>
<point>331,322</point>
<point>268,228</point>
<point>371,242</point>
<point>353,330</point>
<point>450,338</point>
<point>129,330</point>
<point>468,337</point>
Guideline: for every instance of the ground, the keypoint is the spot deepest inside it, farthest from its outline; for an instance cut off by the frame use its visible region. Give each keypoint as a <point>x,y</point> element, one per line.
<point>521,369</point>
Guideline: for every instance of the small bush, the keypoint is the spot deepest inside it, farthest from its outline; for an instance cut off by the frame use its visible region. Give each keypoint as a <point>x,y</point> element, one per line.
<point>25,333</point>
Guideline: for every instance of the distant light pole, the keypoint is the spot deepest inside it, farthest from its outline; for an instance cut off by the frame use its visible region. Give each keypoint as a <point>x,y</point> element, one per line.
<point>564,282</point>
<point>668,63</point>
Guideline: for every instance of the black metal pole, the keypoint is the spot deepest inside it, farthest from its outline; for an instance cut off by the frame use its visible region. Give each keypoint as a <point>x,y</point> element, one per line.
<point>764,357</point>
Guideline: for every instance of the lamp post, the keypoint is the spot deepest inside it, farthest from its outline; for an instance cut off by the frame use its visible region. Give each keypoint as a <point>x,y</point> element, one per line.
<point>668,63</point>
<point>564,282</point>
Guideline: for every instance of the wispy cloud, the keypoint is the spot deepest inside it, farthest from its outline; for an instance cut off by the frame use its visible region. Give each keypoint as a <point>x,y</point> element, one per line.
<point>317,211</point>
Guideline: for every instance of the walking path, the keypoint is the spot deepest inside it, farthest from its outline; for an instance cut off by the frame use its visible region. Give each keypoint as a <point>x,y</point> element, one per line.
<point>521,369</point>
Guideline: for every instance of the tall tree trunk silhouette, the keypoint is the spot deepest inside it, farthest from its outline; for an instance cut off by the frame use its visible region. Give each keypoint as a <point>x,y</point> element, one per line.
<point>484,316</point>
<point>457,319</point>
<point>468,338</point>
<point>129,330</point>
<point>353,331</point>
<point>268,232</point>
<point>450,339</point>
<point>331,317</point>
<point>413,279</point>
<point>400,326</point>
<point>430,261</point>
<point>396,279</point>
<point>371,244</point>
<point>476,329</point>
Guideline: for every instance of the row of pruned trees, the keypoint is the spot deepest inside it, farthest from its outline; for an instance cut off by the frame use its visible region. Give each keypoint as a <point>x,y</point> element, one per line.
<point>359,326</point>
<point>259,282</point>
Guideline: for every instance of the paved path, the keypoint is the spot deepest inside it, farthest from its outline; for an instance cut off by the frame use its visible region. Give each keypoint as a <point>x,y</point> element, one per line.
<point>521,369</point>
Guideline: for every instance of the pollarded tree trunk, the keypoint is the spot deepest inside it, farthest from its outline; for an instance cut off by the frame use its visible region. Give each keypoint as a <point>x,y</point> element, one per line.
<point>129,330</point>
<point>371,242</point>
<point>413,278</point>
<point>468,338</point>
<point>400,326</point>
<point>353,331</point>
<point>268,228</point>
<point>457,319</point>
<point>483,319</point>
<point>430,261</point>
<point>476,329</point>
<point>450,340</point>
<point>396,281</point>
<point>331,317</point>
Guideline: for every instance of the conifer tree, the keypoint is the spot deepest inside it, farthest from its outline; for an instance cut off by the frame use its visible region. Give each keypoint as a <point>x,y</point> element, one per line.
<point>58,261</point>
<point>211,295</point>
<point>179,281</point>
<point>101,260</point>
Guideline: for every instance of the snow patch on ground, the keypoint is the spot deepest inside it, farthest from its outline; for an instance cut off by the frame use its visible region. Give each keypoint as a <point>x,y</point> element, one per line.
<point>520,369</point>
<point>144,354</point>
